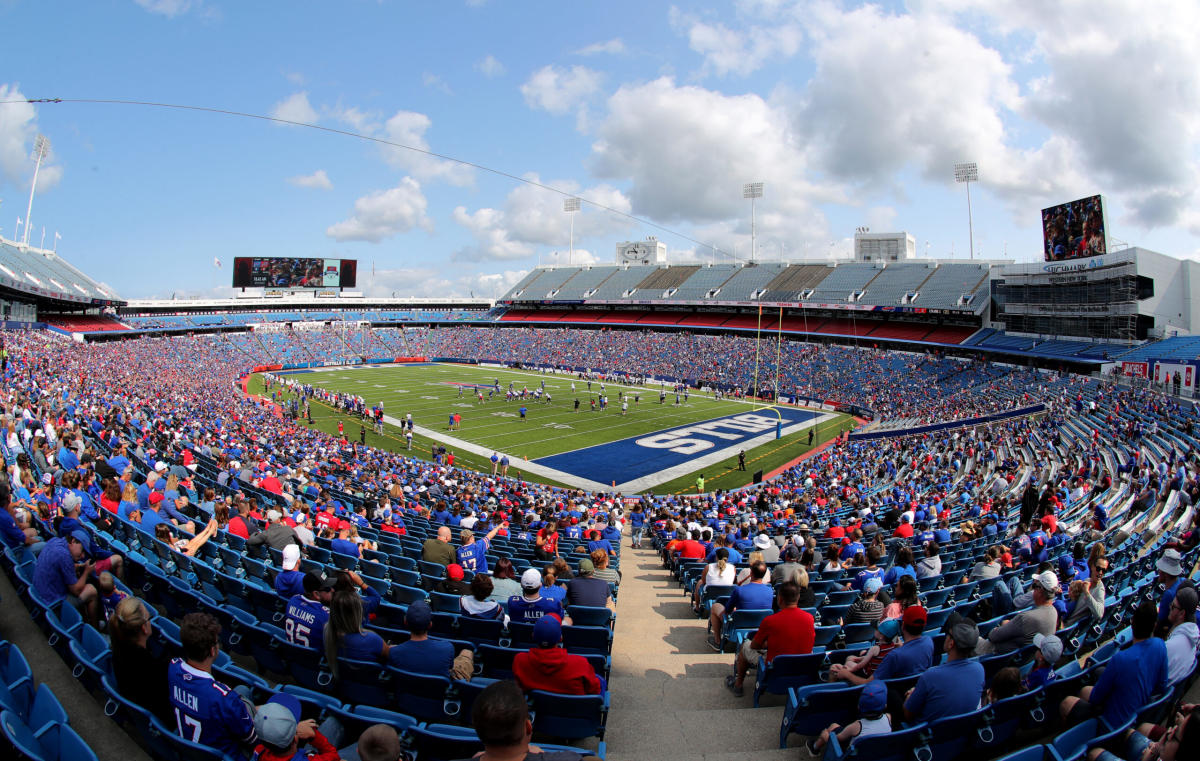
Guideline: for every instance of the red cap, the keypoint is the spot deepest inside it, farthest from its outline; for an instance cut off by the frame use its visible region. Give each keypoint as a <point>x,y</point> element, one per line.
<point>914,617</point>
<point>155,497</point>
<point>454,572</point>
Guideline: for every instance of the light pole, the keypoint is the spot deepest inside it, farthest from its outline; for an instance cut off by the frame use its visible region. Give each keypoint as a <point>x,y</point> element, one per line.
<point>968,173</point>
<point>570,206</point>
<point>753,191</point>
<point>41,146</point>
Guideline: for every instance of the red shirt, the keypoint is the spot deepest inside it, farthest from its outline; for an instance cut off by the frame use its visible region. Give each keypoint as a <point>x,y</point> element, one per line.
<point>904,530</point>
<point>325,520</point>
<point>691,549</point>
<point>551,545</point>
<point>554,670</point>
<point>791,631</point>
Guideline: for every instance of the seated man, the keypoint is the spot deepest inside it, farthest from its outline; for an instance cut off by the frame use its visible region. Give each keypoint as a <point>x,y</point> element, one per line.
<point>913,656</point>
<point>1175,743</point>
<point>290,581</point>
<point>423,655</point>
<point>62,571</point>
<point>1130,679</point>
<point>585,589</point>
<point>1017,632</point>
<point>791,631</point>
<point>530,606</point>
<point>206,711</point>
<point>548,667</point>
<point>954,687</point>
<point>500,716</point>
<point>1184,636</point>
<point>753,595</point>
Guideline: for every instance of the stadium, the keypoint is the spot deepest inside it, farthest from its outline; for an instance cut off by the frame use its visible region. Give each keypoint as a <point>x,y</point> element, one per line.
<point>643,504</point>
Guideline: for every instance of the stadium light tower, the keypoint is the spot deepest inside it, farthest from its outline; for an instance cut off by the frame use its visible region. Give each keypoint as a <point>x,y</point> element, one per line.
<point>41,146</point>
<point>570,206</point>
<point>753,191</point>
<point>968,173</point>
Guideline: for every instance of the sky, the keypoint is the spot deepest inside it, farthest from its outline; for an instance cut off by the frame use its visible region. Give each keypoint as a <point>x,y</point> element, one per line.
<point>654,115</point>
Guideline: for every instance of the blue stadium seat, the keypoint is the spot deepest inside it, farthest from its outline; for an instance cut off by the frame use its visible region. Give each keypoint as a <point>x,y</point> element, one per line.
<point>897,745</point>
<point>788,672</point>
<point>53,742</point>
<point>569,716</point>
<point>813,708</point>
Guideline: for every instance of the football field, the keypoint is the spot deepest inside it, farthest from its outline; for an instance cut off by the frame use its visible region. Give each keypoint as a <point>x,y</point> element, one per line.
<point>659,442</point>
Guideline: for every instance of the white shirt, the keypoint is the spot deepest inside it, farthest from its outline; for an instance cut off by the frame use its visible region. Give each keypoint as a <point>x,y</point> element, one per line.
<point>714,578</point>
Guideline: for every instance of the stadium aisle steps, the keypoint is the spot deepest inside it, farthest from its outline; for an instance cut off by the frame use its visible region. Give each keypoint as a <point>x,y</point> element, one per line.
<point>669,700</point>
<point>86,713</point>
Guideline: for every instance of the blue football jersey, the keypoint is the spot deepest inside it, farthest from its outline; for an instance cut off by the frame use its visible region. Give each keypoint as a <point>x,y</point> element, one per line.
<point>529,611</point>
<point>208,712</point>
<point>305,622</point>
<point>473,556</point>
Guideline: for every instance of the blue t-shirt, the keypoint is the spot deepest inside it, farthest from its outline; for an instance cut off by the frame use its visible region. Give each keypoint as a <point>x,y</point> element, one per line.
<point>1164,607</point>
<point>473,556</point>
<point>912,657</point>
<point>555,592</point>
<point>54,571</point>
<point>850,550</point>
<point>895,572</point>
<point>751,596</point>
<point>345,547</point>
<point>10,532</point>
<point>1131,678</point>
<point>208,712</point>
<point>637,519</point>
<point>522,610</point>
<point>600,544</point>
<point>947,690</point>
<point>367,646</point>
<point>428,656</point>
<point>289,583</point>
<point>305,622</point>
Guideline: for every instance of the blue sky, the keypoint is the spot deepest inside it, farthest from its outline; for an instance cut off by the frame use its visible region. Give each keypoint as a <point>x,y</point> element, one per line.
<point>851,115</point>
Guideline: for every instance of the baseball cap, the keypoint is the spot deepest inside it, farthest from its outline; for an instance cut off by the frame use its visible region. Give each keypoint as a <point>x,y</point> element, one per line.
<point>586,567</point>
<point>915,617</point>
<point>291,557</point>
<point>71,501</point>
<point>1048,581</point>
<point>155,497</point>
<point>889,628</point>
<point>273,516</point>
<point>1169,563</point>
<point>873,585</point>
<point>531,579</point>
<point>873,698</point>
<point>82,537</point>
<point>547,632</point>
<point>47,478</point>
<point>275,722</point>
<point>454,572</point>
<point>419,616</point>
<point>1050,645</point>
<point>965,634</point>
<point>160,466</point>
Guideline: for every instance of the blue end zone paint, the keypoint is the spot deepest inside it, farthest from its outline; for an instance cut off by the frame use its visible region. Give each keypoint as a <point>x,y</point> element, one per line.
<point>640,456</point>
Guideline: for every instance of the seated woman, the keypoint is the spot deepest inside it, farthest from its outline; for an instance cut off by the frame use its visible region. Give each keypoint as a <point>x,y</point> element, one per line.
<point>164,532</point>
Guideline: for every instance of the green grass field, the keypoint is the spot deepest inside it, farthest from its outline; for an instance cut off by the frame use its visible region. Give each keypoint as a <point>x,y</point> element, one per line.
<point>431,395</point>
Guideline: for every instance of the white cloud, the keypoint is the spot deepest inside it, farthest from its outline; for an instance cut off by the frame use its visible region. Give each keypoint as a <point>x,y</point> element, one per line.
<point>490,67</point>
<point>533,216</point>
<point>655,135</point>
<point>366,122</point>
<point>609,47</point>
<point>559,90</point>
<point>18,130</point>
<point>295,108</point>
<point>383,214</point>
<point>434,82</point>
<point>418,282</point>
<point>408,128</point>
<point>168,8</point>
<point>318,180</point>
<point>492,238</point>
<point>728,51</point>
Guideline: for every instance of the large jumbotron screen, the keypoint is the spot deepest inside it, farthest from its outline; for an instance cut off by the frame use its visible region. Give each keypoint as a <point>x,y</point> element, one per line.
<point>293,272</point>
<point>1074,230</point>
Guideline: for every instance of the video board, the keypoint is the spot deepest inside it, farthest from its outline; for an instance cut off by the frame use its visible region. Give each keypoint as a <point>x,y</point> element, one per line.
<point>293,272</point>
<point>1074,230</point>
